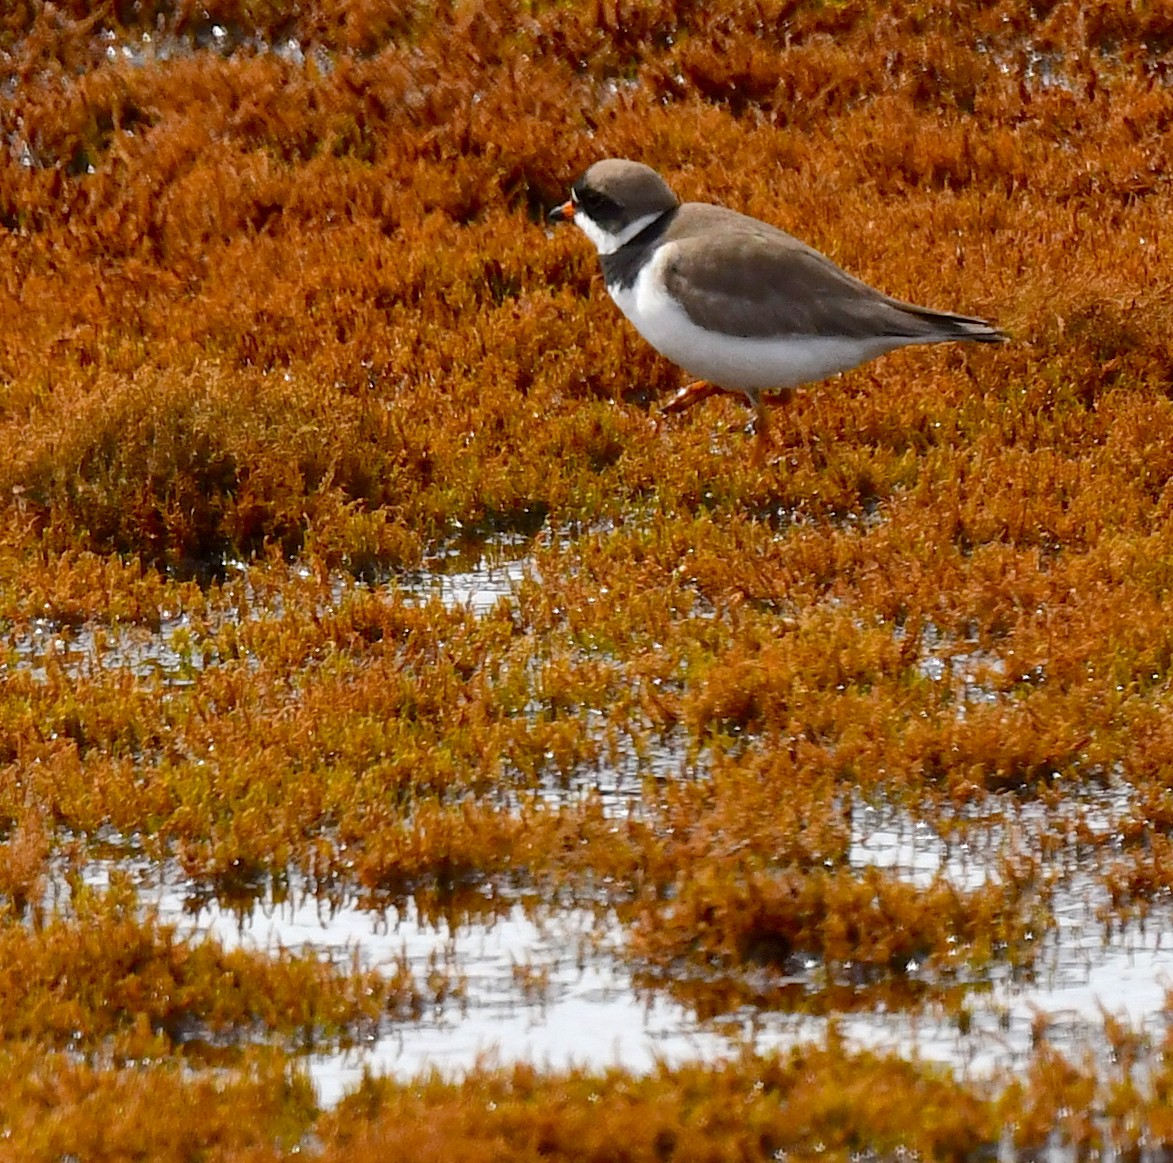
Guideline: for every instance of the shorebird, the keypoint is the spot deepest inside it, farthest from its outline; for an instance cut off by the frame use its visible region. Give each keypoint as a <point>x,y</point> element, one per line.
<point>740,305</point>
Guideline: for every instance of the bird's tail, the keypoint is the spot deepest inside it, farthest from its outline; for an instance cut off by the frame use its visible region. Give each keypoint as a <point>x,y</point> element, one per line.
<point>942,326</point>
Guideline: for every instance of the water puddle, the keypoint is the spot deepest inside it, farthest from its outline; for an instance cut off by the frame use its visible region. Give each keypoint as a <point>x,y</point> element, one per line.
<point>618,779</point>
<point>546,983</point>
<point>1087,968</point>
<point>969,672</point>
<point>473,578</point>
<point>478,587</point>
<point>536,983</point>
<point>888,837</point>
<point>90,648</point>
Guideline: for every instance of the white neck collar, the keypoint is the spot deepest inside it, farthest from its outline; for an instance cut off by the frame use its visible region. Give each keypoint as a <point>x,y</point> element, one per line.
<point>606,242</point>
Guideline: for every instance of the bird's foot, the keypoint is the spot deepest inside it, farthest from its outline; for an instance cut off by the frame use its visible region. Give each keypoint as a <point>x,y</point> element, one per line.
<point>692,394</point>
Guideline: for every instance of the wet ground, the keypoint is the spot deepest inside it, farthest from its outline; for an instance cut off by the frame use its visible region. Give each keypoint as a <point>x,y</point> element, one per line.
<point>531,981</point>
<point>523,977</point>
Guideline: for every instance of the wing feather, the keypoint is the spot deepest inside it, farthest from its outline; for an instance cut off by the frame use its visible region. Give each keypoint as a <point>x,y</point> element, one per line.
<point>736,274</point>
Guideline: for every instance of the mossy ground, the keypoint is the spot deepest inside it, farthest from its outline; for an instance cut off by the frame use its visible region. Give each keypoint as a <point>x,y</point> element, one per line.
<point>280,319</point>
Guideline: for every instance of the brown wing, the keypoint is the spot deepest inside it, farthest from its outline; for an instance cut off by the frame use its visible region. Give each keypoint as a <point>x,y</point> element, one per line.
<point>735,274</point>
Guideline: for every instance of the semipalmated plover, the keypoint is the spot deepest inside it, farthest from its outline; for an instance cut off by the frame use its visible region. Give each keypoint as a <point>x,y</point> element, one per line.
<point>739,304</point>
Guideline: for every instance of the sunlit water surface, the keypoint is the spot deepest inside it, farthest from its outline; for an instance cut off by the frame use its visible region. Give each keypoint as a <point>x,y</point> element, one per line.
<point>549,986</point>
<point>546,984</point>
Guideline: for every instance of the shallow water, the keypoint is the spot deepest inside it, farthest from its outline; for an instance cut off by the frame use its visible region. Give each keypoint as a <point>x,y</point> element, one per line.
<point>545,984</point>
<point>541,986</point>
<point>478,588</point>
<point>549,984</point>
<point>475,579</point>
<point>1085,971</point>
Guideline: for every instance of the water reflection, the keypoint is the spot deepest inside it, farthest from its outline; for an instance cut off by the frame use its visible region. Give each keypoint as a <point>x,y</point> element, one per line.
<point>546,982</point>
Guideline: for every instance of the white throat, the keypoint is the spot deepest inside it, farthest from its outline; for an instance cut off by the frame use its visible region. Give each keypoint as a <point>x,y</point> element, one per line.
<point>606,242</point>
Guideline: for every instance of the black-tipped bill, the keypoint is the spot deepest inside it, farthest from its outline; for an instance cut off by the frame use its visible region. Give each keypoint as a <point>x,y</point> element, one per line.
<point>563,213</point>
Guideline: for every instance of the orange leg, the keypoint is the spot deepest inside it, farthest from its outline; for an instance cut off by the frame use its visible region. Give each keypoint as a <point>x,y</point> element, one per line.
<point>762,441</point>
<point>692,394</point>
<point>700,390</point>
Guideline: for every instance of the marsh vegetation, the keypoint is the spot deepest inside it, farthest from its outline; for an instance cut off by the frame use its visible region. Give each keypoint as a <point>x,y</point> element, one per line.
<point>291,367</point>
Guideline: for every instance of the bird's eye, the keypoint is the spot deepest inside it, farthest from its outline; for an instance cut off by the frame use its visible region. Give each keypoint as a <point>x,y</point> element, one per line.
<point>601,208</point>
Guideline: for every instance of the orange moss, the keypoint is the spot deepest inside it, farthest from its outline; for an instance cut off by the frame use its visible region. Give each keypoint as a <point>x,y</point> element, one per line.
<point>806,1102</point>
<point>276,285</point>
<point>886,939</point>
<point>108,978</point>
<point>54,1105</point>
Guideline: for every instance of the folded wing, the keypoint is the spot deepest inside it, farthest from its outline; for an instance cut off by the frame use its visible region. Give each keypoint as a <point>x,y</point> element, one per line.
<point>735,274</point>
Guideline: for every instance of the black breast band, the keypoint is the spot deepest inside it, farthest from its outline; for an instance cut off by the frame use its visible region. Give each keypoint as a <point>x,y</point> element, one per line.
<point>621,269</point>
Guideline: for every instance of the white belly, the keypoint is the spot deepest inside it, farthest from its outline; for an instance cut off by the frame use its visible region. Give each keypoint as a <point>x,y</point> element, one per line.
<point>732,361</point>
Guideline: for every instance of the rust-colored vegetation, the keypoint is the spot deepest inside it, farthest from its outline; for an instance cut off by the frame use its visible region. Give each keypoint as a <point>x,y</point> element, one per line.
<point>281,324</point>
